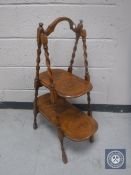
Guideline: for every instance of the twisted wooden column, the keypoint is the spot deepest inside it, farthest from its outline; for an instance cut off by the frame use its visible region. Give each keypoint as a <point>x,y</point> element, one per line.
<point>73,54</point>
<point>54,96</point>
<point>36,81</point>
<point>78,33</point>
<point>83,33</point>
<point>44,41</point>
<point>87,76</point>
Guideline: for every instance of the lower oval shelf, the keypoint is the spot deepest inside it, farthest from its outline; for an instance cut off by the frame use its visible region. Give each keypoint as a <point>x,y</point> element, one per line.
<point>74,123</point>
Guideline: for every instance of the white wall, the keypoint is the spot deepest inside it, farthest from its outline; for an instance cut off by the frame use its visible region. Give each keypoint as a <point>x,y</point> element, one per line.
<point>107,24</point>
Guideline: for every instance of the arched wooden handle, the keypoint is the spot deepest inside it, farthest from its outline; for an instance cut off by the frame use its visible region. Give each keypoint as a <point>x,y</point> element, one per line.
<point>52,26</point>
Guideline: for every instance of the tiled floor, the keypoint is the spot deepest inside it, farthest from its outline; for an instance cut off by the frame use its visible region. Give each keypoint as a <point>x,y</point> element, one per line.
<point>24,151</point>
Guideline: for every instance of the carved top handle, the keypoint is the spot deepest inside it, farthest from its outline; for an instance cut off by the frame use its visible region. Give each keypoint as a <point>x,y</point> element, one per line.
<point>52,26</point>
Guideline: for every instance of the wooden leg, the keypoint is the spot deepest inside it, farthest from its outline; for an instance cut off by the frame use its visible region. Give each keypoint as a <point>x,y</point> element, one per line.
<point>35,126</point>
<point>90,113</point>
<point>89,104</point>
<point>91,139</point>
<point>36,84</point>
<point>61,138</point>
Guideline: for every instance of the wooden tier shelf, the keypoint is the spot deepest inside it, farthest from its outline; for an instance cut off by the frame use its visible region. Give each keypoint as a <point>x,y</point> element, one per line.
<point>66,84</point>
<point>75,124</point>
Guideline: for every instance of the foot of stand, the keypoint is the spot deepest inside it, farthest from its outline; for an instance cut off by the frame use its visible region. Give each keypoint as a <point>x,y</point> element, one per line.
<point>91,139</point>
<point>35,126</point>
<point>61,138</point>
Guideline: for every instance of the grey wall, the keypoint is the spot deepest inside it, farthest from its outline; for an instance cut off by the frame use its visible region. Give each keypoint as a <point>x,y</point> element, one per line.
<point>108,26</point>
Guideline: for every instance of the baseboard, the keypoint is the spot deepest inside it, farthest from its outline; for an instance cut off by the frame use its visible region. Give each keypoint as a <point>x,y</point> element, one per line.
<point>83,107</point>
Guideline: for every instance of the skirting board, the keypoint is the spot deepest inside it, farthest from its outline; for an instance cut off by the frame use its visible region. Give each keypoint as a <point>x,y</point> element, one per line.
<point>83,107</point>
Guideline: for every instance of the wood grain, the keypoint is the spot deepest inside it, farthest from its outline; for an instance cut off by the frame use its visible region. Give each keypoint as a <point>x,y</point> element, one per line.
<point>66,84</point>
<point>75,124</point>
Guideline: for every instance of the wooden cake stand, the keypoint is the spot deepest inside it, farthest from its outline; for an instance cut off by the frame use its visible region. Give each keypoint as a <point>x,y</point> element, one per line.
<point>62,84</point>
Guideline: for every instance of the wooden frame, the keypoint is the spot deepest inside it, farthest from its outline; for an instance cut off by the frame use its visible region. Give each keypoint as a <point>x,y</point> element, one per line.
<point>70,121</point>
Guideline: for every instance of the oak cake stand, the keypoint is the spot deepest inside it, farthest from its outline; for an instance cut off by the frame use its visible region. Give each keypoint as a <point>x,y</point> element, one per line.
<point>68,119</point>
